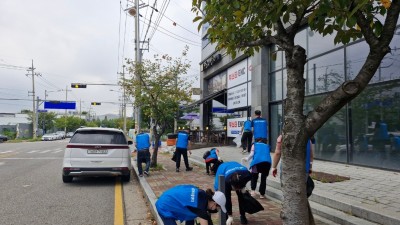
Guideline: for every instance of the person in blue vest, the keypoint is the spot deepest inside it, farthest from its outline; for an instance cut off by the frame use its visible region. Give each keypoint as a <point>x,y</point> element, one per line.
<point>182,146</point>
<point>247,136</point>
<point>277,157</point>
<point>260,126</point>
<point>187,202</point>
<point>214,159</point>
<point>260,164</point>
<point>236,178</point>
<point>143,153</point>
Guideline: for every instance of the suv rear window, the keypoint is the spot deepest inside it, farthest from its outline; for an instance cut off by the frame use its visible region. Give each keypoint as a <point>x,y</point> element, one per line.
<point>98,137</point>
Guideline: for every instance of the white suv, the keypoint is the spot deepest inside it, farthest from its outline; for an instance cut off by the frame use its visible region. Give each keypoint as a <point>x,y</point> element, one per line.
<point>96,151</point>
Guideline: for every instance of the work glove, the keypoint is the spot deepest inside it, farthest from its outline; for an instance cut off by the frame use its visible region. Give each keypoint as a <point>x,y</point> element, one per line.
<point>243,190</point>
<point>245,159</point>
<point>219,158</point>
<point>229,221</point>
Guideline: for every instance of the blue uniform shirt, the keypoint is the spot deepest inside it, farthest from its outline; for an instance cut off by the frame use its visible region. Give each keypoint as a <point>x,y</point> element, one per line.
<point>142,141</point>
<point>183,140</point>
<point>261,154</point>
<point>260,128</point>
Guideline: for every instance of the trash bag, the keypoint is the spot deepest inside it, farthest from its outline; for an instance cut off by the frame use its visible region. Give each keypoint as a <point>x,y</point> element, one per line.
<point>174,156</point>
<point>238,140</point>
<point>250,204</point>
<point>310,186</point>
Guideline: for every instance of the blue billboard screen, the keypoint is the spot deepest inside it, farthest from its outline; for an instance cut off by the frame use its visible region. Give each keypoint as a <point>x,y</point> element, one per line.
<point>59,105</point>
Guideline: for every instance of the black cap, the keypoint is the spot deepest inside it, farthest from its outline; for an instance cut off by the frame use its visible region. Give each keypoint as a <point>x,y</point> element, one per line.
<point>257,112</point>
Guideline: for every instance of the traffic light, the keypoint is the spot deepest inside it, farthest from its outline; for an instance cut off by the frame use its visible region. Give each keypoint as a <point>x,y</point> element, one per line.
<point>76,85</point>
<point>96,103</point>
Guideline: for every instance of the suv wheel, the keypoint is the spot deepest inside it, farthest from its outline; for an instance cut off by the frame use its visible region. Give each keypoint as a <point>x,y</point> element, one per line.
<point>67,179</point>
<point>126,178</point>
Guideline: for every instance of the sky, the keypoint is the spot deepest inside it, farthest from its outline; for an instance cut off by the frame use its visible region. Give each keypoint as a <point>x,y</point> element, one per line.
<point>85,41</point>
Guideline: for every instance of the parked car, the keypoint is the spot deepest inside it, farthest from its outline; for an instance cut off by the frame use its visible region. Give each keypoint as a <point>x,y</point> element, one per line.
<point>61,134</point>
<point>69,134</point>
<point>3,138</point>
<point>96,151</point>
<point>49,137</point>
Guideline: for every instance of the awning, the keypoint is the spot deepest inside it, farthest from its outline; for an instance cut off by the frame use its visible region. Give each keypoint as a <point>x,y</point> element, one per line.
<point>207,98</point>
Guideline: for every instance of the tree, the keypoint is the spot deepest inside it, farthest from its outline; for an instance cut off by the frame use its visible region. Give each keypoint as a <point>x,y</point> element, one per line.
<point>71,122</point>
<point>46,121</point>
<point>159,91</point>
<point>248,25</point>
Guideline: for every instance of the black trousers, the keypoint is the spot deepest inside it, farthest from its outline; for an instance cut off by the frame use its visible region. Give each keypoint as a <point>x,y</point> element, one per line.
<point>263,169</point>
<point>183,152</point>
<point>246,140</point>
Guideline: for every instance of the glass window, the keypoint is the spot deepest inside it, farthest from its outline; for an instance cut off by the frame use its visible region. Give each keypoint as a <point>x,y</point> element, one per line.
<point>330,139</point>
<point>276,59</point>
<point>276,123</point>
<point>284,83</point>
<point>98,137</point>
<point>376,126</point>
<point>216,83</point>
<point>356,55</point>
<point>318,44</point>
<point>276,86</point>
<point>326,73</point>
<point>301,39</point>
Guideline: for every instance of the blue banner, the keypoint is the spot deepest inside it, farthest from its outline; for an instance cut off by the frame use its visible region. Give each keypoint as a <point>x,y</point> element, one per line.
<point>59,105</point>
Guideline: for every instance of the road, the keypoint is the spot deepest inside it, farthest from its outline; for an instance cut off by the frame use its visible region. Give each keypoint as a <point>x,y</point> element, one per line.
<point>32,191</point>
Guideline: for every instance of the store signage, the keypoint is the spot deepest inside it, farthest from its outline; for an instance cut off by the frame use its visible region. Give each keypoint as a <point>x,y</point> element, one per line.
<point>237,74</point>
<point>235,126</point>
<point>211,61</point>
<point>239,96</point>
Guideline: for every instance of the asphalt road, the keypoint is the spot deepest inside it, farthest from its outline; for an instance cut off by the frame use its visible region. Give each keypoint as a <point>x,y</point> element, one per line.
<point>32,191</point>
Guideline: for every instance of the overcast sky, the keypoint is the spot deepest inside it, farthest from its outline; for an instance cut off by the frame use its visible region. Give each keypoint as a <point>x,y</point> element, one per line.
<point>83,41</point>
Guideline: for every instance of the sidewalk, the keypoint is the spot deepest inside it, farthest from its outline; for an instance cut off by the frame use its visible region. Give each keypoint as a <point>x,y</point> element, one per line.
<point>371,196</point>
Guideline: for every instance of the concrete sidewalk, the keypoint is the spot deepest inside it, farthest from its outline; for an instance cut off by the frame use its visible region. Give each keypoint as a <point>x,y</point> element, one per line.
<point>371,196</point>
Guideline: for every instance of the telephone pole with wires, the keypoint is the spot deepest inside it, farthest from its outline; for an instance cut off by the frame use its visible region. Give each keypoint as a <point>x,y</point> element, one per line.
<point>33,74</point>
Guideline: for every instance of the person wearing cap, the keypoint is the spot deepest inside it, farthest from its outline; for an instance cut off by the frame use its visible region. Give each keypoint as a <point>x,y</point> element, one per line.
<point>187,202</point>
<point>236,178</point>
<point>260,126</point>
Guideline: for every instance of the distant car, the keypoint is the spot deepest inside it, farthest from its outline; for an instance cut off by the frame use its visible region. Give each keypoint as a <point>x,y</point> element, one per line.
<point>96,151</point>
<point>3,138</point>
<point>49,137</point>
<point>69,134</point>
<point>61,134</point>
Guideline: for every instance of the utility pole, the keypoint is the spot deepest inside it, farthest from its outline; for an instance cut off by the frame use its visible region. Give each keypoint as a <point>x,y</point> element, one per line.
<point>123,99</point>
<point>34,121</point>
<point>138,60</point>
<point>65,114</point>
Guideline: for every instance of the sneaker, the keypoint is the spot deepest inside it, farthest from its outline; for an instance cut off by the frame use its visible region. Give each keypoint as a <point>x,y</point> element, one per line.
<point>253,193</point>
<point>189,169</point>
<point>147,173</point>
<point>177,170</point>
<point>243,220</point>
<point>140,175</point>
<point>262,196</point>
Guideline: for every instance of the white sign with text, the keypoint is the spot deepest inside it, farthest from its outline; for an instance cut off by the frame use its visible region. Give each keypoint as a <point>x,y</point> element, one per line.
<point>235,126</point>
<point>239,96</point>
<point>237,74</point>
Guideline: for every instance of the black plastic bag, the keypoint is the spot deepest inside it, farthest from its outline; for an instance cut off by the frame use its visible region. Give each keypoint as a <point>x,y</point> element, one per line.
<point>310,186</point>
<point>174,156</point>
<point>250,204</point>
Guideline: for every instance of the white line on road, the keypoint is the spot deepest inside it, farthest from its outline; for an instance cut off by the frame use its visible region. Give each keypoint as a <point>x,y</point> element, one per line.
<point>44,151</point>
<point>5,152</point>
<point>34,158</point>
<point>57,151</point>
<point>33,151</point>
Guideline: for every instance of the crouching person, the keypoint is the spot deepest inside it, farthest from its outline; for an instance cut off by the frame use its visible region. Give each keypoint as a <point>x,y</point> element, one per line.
<point>236,178</point>
<point>212,158</point>
<point>187,202</point>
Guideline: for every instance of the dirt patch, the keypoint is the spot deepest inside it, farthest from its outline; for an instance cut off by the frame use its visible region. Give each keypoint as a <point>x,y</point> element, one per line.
<point>328,178</point>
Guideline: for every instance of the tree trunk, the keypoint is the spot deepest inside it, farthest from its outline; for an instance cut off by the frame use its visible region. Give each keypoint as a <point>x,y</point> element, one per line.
<point>295,203</point>
<point>157,137</point>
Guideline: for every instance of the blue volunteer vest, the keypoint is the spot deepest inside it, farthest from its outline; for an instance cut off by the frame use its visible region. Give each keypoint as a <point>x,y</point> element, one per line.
<point>308,156</point>
<point>260,128</point>
<point>142,141</point>
<point>247,125</point>
<point>182,141</point>
<point>227,169</point>
<point>261,154</point>
<point>213,154</point>
<point>174,202</point>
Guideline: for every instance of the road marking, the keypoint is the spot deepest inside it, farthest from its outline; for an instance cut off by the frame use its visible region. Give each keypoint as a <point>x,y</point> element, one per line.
<point>2,163</point>
<point>118,209</point>
<point>44,151</point>
<point>33,151</point>
<point>33,158</point>
<point>5,152</point>
<point>57,151</point>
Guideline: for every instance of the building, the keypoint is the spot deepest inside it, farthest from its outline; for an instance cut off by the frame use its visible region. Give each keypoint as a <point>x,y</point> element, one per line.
<point>364,132</point>
<point>16,123</point>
